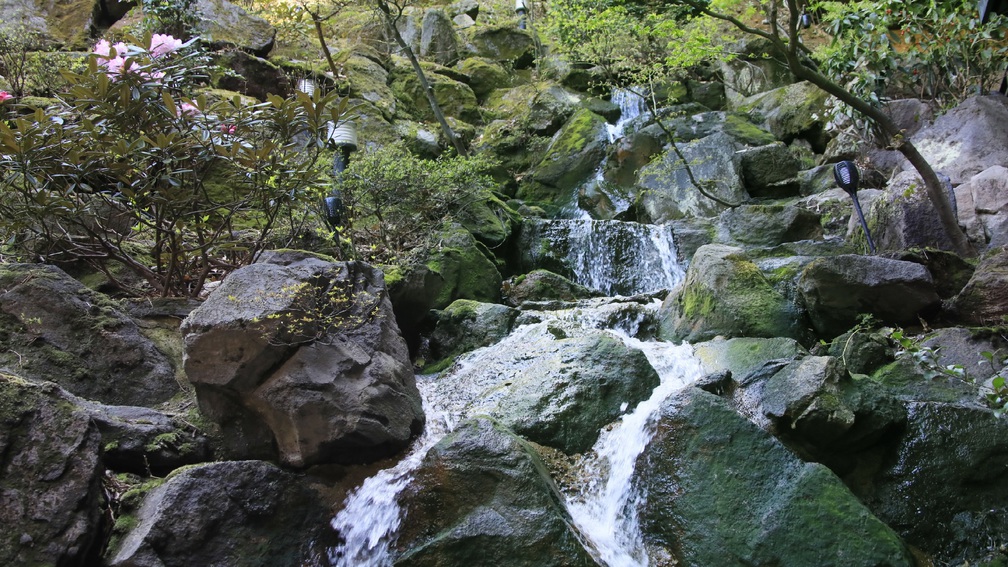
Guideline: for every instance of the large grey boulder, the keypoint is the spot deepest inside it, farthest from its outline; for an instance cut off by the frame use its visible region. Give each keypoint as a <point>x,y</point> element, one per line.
<point>903,217</point>
<point>984,300</point>
<point>837,290</point>
<point>482,496</point>
<point>145,441</point>
<point>726,294</point>
<point>668,193</point>
<point>227,513</point>
<point>438,40</point>
<point>550,387</point>
<point>222,24</point>
<point>717,490</point>
<point>50,477</point>
<point>300,359</point>
<point>983,207</point>
<point>56,329</point>
<point>756,68</point>
<point>768,225</point>
<point>966,140</point>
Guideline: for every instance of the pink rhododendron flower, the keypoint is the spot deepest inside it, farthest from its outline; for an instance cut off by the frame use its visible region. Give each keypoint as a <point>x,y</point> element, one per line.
<point>4,96</point>
<point>162,44</point>
<point>188,109</point>
<point>227,128</point>
<point>104,49</point>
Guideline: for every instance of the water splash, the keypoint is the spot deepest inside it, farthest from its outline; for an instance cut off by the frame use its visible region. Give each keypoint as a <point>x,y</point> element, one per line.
<point>632,104</point>
<point>370,518</point>
<point>611,257</point>
<point>605,509</point>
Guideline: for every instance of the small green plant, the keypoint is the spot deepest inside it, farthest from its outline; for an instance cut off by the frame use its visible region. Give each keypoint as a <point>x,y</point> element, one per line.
<point>173,17</point>
<point>17,45</point>
<point>316,311</point>
<point>926,358</point>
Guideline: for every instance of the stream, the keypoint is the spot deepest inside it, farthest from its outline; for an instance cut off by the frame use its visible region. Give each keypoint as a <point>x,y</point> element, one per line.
<point>615,258</point>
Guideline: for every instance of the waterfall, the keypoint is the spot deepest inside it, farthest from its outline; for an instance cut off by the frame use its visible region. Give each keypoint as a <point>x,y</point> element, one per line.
<point>611,257</point>
<point>604,508</point>
<point>632,104</point>
<point>614,258</point>
<point>371,514</point>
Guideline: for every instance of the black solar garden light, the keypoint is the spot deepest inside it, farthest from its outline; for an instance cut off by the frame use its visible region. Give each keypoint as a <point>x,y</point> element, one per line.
<point>847,177</point>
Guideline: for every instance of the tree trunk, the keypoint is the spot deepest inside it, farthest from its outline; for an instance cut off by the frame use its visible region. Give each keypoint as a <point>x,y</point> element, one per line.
<point>390,23</point>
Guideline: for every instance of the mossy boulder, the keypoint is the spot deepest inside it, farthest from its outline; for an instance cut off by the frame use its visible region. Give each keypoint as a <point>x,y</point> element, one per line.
<point>459,268</point>
<point>67,24</point>
<point>369,81</point>
<point>505,44</point>
<point>485,75</point>
<point>483,496</point>
<point>770,171</point>
<point>489,219</point>
<point>51,476</point>
<point>455,98</point>
<point>253,76</point>
<point>904,218</point>
<point>542,285</point>
<point>794,111</point>
<point>719,490</point>
<point>222,24</point>
<point>742,356</point>
<point>726,294</point>
<point>57,329</point>
<point>984,299</point>
<point>570,159</point>
<point>466,325</point>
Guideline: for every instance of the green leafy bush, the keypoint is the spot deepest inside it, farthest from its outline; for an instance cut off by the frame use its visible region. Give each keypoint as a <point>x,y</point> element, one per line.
<point>131,170</point>
<point>937,50</point>
<point>398,202</point>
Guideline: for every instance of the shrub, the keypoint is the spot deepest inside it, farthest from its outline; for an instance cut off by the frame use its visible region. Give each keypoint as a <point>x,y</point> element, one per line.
<point>129,169</point>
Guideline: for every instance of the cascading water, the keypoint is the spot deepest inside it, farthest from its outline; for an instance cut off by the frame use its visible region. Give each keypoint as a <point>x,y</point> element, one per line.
<point>632,104</point>
<point>615,258</point>
<point>604,509</point>
<point>371,515</point>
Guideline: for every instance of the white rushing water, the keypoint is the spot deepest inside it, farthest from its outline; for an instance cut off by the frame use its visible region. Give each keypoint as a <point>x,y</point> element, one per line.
<point>370,518</point>
<point>604,510</point>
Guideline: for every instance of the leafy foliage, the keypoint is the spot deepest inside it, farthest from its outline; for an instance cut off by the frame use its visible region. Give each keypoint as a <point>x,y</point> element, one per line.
<point>937,50</point>
<point>636,43</point>
<point>398,202</point>
<point>130,170</point>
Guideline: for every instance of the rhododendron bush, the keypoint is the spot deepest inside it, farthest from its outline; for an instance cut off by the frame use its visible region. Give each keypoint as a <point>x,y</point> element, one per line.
<point>135,169</point>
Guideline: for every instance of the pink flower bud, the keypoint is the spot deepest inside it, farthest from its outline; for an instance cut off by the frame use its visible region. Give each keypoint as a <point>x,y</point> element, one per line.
<point>5,96</point>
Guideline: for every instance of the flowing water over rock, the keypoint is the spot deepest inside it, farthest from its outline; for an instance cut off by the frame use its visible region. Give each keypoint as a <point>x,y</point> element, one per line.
<point>627,260</point>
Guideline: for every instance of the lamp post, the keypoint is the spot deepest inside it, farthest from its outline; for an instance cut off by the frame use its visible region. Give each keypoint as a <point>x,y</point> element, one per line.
<point>521,8</point>
<point>847,177</point>
<point>342,138</point>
